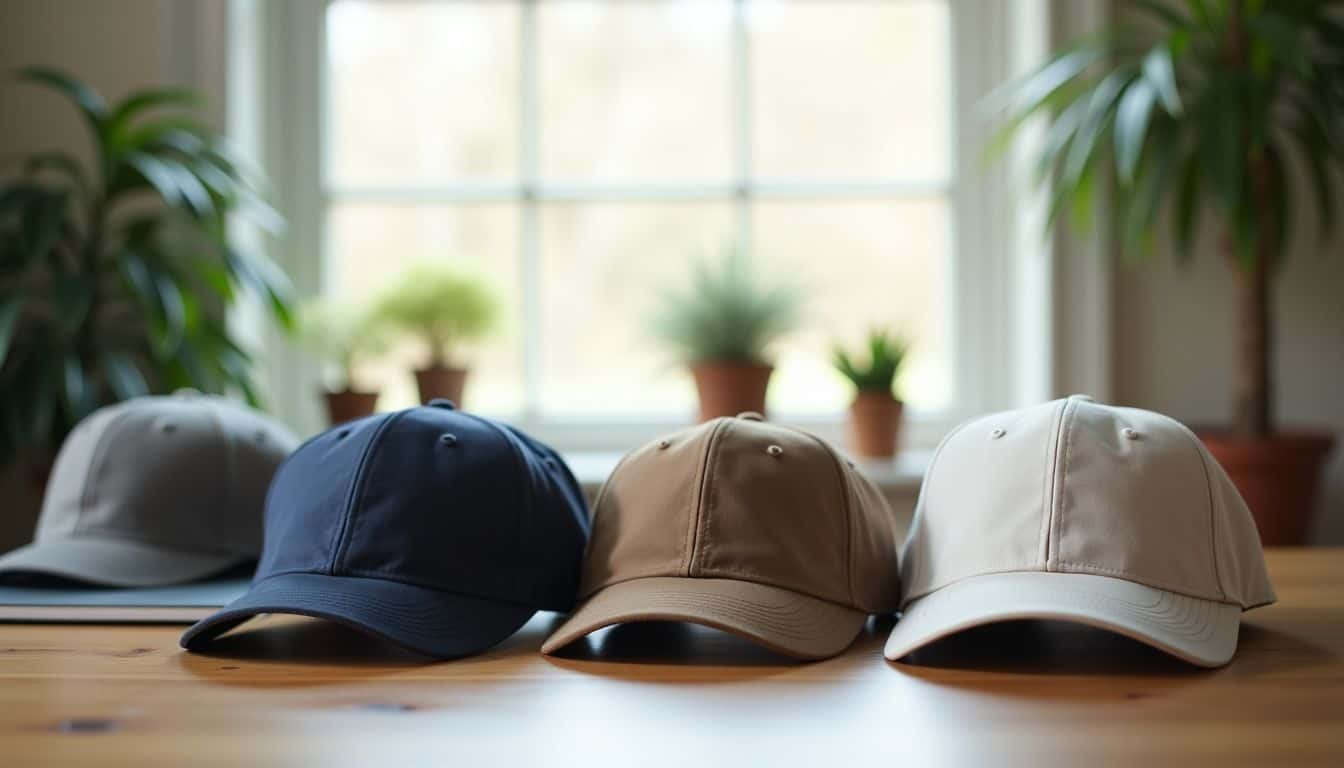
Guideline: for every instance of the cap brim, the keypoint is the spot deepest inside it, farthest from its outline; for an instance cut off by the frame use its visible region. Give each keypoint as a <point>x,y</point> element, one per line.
<point>785,622</point>
<point>116,562</point>
<point>1202,632</point>
<point>427,621</point>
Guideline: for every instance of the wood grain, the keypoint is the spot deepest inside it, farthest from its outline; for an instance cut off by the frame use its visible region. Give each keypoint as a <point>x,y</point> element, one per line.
<point>300,692</point>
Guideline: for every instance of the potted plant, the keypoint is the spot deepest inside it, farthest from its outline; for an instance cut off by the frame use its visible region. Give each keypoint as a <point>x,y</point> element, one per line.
<point>875,414</point>
<point>722,324</point>
<point>1205,109</point>
<point>340,336</point>
<point>442,306</point>
<point>115,275</point>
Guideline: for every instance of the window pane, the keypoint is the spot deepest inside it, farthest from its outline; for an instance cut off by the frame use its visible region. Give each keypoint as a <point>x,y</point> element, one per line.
<point>368,245</point>
<point>850,89</point>
<point>864,264</point>
<point>422,92</point>
<point>602,268</point>
<point>635,90</point>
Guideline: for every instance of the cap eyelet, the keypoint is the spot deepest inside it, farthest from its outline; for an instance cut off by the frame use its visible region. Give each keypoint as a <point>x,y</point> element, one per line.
<point>997,433</point>
<point>1129,433</point>
<point>448,438</point>
<point>664,444</point>
<point>344,433</point>
<point>168,428</point>
<point>774,450</point>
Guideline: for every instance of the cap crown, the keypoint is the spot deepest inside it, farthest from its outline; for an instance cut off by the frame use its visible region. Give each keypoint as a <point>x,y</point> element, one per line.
<point>1078,487</point>
<point>741,499</point>
<point>187,472</point>
<point>432,497</point>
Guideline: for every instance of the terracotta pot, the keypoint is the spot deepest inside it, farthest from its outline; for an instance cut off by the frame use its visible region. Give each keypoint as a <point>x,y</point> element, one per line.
<point>1277,476</point>
<point>348,405</point>
<point>729,388</point>
<point>874,423</point>
<point>438,382</point>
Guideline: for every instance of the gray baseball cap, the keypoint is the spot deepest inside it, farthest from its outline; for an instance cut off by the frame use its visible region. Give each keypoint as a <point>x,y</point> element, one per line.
<point>156,490</point>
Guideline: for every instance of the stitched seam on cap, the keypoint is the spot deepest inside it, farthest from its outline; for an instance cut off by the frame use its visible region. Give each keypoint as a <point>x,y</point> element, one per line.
<point>1060,464</point>
<point>1137,579</point>
<point>700,516</point>
<point>523,468</point>
<point>1048,484</point>
<point>91,472</point>
<point>357,487</point>
<point>1213,513</point>
<point>102,534</point>
<point>907,549</point>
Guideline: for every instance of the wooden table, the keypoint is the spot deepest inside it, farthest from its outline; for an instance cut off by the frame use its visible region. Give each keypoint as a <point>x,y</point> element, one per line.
<point>301,692</point>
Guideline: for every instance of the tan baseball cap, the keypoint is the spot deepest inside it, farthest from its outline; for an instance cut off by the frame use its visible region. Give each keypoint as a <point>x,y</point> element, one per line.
<point>156,490</point>
<point>1113,517</point>
<point>752,528</point>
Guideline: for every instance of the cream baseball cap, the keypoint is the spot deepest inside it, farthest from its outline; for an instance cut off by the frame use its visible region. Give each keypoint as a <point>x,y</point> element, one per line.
<point>752,528</point>
<point>154,491</point>
<point>1114,517</point>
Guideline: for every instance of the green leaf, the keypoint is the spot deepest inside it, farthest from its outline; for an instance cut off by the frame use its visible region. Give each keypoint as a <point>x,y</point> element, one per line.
<point>1131,126</point>
<point>89,102</point>
<point>10,309</point>
<point>1158,70</point>
<point>72,295</point>
<point>173,182</point>
<point>174,309</point>
<point>136,103</point>
<point>123,376</point>
<point>78,394</point>
<point>1222,155</point>
<point>1034,91</point>
<point>1100,113</point>
<point>1057,138</point>
<point>63,162</point>
<point>267,280</point>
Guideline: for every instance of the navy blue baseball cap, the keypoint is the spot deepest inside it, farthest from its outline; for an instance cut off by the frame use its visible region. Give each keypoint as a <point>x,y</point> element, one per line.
<point>439,530</point>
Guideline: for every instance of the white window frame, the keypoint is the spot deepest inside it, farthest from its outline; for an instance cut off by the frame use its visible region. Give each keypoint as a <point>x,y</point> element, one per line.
<point>1000,286</point>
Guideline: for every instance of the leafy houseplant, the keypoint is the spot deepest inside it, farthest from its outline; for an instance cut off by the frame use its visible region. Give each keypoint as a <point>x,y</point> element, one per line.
<point>875,415</point>
<point>722,324</point>
<point>441,306</point>
<point>114,276</point>
<point>1206,110</point>
<point>340,336</point>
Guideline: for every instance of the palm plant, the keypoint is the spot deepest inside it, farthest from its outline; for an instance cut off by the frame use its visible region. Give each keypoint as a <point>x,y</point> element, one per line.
<point>442,306</point>
<point>1205,109</point>
<point>114,277</point>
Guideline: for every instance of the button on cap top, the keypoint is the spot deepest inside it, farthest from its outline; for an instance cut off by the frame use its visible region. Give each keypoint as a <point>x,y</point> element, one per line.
<point>440,402</point>
<point>751,416</point>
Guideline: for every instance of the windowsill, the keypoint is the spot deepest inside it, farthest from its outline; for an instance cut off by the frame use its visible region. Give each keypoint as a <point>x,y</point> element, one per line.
<point>898,478</point>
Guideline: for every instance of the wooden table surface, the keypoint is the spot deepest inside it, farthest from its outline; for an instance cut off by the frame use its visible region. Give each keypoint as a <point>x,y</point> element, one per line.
<point>301,692</point>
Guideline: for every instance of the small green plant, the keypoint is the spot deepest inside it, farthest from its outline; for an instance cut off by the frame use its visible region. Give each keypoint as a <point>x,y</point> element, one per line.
<point>886,351</point>
<point>728,311</point>
<point>440,305</point>
<point>339,335</point>
<point>116,274</point>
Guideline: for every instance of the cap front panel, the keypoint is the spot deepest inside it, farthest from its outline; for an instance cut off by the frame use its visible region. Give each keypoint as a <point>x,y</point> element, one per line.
<point>439,504</point>
<point>1134,501</point>
<point>162,479</point>
<point>309,496</point>
<point>64,498</point>
<point>774,512</point>
<point>982,507</point>
<point>642,520</point>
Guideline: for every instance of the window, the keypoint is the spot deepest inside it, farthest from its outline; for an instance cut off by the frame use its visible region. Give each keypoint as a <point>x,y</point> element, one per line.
<point>581,153</point>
